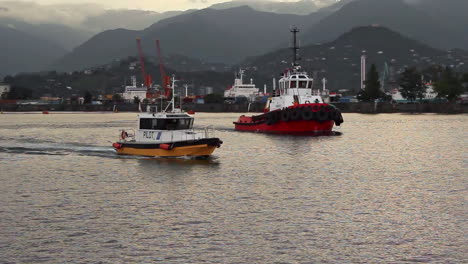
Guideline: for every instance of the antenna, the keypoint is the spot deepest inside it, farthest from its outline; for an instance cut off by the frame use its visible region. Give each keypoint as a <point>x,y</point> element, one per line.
<point>173,89</point>
<point>363,72</point>
<point>295,46</point>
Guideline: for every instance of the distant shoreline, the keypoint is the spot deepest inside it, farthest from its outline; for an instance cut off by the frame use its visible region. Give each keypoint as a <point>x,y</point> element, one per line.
<point>365,108</point>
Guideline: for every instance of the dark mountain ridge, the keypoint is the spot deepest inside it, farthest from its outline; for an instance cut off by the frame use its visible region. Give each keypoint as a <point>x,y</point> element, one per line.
<point>21,52</point>
<point>414,21</point>
<point>301,7</point>
<point>339,60</point>
<point>227,36</point>
<point>64,36</point>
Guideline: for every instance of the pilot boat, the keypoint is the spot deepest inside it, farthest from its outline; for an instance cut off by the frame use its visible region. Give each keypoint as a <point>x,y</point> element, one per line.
<point>166,134</point>
<point>294,108</point>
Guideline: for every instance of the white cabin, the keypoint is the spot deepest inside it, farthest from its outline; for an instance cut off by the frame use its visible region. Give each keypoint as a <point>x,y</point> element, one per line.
<point>294,88</point>
<point>164,127</point>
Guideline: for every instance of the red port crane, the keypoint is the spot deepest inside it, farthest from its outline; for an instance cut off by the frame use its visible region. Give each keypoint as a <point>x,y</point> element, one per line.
<point>146,77</point>
<point>165,79</point>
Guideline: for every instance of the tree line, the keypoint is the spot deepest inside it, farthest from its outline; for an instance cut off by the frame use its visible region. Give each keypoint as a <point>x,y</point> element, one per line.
<point>447,83</point>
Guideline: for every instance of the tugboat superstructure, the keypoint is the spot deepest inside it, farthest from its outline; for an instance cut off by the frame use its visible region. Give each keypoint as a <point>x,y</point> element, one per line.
<point>166,134</point>
<point>294,108</point>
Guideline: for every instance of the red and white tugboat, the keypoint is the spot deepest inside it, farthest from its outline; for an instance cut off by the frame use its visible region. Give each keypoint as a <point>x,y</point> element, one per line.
<point>294,107</point>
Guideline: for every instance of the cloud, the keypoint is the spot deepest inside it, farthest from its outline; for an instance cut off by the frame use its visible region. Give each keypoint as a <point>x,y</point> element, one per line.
<point>198,1</point>
<point>413,2</point>
<point>70,15</point>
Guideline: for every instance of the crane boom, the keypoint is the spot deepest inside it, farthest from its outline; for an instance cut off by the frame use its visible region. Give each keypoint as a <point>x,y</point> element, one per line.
<point>142,61</point>
<point>147,79</point>
<point>165,80</point>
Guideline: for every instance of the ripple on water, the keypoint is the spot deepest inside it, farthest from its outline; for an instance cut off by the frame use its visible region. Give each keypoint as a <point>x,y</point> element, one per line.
<point>389,189</point>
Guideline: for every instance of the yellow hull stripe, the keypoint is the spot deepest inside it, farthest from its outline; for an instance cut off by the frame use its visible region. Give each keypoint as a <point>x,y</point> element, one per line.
<point>196,150</point>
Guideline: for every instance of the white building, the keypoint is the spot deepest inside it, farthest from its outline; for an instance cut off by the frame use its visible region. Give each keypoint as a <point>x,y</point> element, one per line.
<point>4,88</point>
<point>428,96</point>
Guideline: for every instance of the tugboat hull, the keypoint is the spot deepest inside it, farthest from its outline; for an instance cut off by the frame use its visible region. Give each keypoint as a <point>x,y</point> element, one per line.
<point>292,128</point>
<point>308,119</point>
<point>198,148</point>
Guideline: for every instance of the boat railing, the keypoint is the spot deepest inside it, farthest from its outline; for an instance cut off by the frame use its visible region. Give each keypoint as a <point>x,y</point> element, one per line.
<point>202,132</point>
<point>316,92</point>
<point>209,131</point>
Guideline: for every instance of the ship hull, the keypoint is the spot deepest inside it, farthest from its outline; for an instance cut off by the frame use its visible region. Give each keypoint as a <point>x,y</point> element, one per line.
<point>301,127</point>
<point>193,148</point>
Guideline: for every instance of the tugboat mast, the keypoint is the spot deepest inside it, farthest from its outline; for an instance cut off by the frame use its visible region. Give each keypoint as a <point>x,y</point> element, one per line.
<point>295,47</point>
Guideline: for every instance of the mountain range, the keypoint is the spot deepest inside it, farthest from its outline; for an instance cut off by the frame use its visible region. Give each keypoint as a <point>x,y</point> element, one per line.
<point>61,35</point>
<point>230,35</point>
<point>53,31</point>
<point>418,20</point>
<point>71,25</point>
<point>20,51</point>
<point>301,7</point>
<point>225,35</point>
<point>339,60</point>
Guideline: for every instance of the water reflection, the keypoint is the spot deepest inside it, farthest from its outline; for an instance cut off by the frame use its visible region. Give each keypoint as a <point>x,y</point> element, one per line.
<point>298,144</point>
<point>179,161</point>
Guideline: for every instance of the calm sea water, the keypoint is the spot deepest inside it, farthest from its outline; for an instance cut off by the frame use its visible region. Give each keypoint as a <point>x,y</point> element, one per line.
<point>389,189</point>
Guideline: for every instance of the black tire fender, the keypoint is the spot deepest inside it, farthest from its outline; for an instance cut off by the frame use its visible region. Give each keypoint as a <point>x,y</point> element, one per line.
<point>307,113</point>
<point>285,115</point>
<point>295,114</point>
<point>322,116</point>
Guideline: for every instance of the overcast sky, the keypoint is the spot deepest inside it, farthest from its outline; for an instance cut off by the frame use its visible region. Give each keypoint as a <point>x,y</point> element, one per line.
<point>156,5</point>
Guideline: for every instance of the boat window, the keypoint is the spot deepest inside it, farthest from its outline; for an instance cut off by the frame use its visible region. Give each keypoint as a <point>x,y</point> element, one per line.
<point>302,84</point>
<point>293,84</point>
<point>148,123</point>
<point>166,123</point>
<point>309,85</point>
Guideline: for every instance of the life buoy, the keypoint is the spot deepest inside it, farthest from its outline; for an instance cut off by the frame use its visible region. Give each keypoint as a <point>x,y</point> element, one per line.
<point>285,115</point>
<point>124,134</point>
<point>295,114</point>
<point>307,102</point>
<point>307,114</point>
